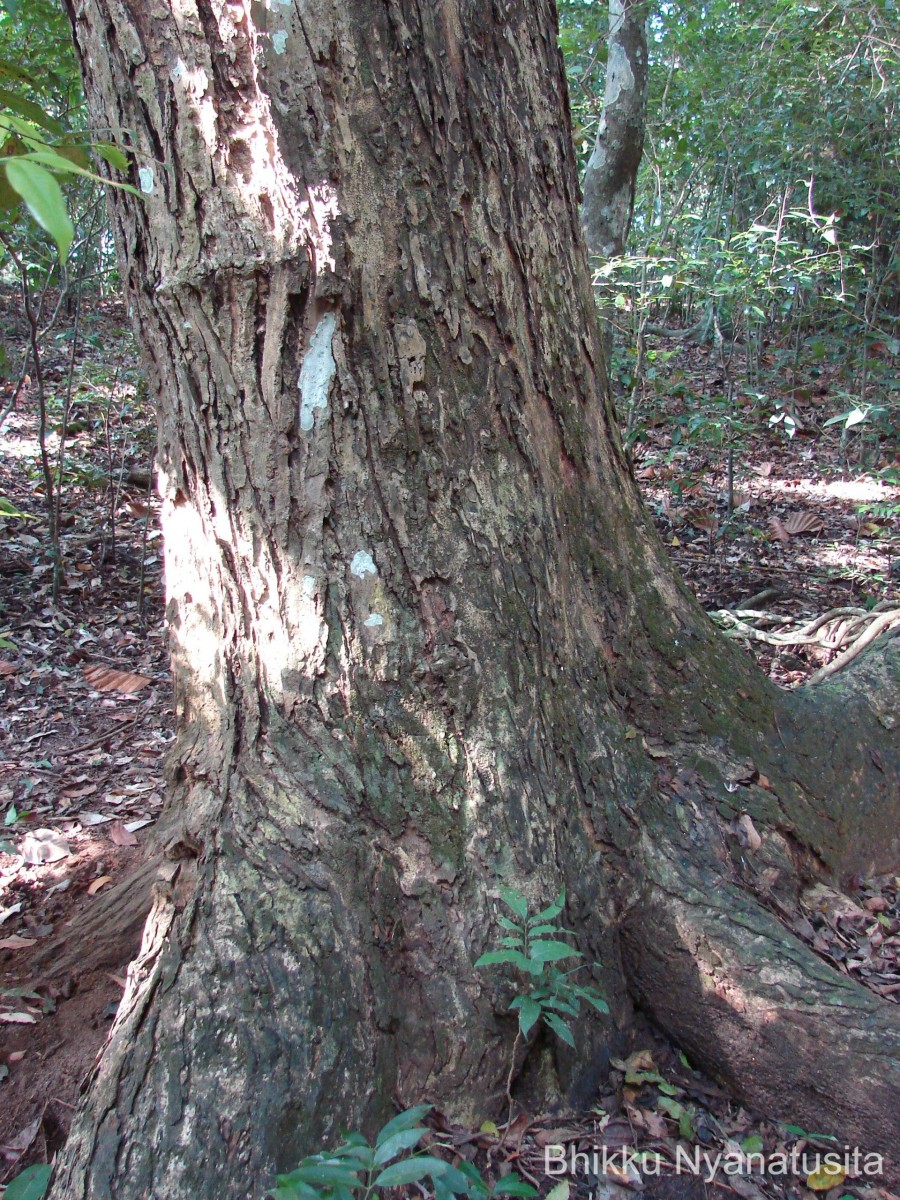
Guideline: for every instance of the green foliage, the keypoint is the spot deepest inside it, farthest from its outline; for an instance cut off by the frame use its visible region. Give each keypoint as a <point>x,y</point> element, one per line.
<point>357,1170</point>
<point>534,945</point>
<point>45,151</point>
<point>766,208</point>
<point>30,1184</point>
<point>8,509</point>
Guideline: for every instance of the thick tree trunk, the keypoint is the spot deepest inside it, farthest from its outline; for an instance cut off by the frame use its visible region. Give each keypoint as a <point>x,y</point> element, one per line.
<point>425,642</point>
<point>611,172</point>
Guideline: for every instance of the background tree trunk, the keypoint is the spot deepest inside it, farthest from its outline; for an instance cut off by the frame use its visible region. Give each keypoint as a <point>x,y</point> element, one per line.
<point>611,172</point>
<point>424,639</point>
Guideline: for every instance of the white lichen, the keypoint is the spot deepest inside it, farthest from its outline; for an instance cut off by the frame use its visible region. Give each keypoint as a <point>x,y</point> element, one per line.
<point>279,41</point>
<point>317,371</point>
<point>362,565</point>
<point>374,620</point>
<point>145,179</point>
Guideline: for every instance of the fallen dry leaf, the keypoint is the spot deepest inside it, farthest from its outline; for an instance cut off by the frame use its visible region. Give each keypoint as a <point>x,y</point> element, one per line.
<point>107,679</point>
<point>779,530</point>
<point>120,835</point>
<point>828,1176</point>
<point>19,1018</point>
<point>20,1143</point>
<point>98,884</point>
<point>8,668</point>
<point>43,846</point>
<point>16,943</point>
<point>804,522</point>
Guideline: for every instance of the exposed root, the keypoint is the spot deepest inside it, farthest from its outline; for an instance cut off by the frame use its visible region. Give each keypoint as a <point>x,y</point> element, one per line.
<point>105,934</point>
<point>848,630</point>
<point>754,1006</point>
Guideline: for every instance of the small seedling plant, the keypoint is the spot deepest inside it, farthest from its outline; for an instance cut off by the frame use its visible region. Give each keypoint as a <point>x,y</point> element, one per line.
<point>357,1170</point>
<point>534,946</point>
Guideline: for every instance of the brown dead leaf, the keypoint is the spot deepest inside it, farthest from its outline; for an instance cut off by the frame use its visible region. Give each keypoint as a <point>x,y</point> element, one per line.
<point>701,519</point>
<point>8,668</point>
<point>120,835</point>
<point>777,527</point>
<point>764,469</point>
<point>16,943</point>
<point>804,522</point>
<point>19,1018</point>
<point>78,793</point>
<point>641,1060</point>
<point>98,884</point>
<point>16,1056</point>
<point>556,1137</point>
<point>107,679</point>
<point>21,1142</point>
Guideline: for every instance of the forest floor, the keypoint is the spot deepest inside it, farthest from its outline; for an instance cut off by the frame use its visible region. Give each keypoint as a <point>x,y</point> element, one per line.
<point>86,717</point>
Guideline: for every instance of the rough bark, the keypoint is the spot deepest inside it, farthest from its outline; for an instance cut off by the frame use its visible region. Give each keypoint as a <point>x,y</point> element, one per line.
<point>424,640</point>
<point>611,172</point>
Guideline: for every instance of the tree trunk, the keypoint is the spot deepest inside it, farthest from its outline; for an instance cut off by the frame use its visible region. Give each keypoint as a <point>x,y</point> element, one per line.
<point>611,172</point>
<point>425,642</point>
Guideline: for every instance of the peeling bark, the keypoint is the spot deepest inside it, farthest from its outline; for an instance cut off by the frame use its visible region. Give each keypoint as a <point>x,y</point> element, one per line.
<point>611,172</point>
<point>424,639</point>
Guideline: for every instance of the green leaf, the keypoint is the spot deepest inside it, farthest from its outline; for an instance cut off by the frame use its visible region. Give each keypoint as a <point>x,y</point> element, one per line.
<point>325,1174</point>
<point>404,1120</point>
<point>410,1170</point>
<point>112,154</point>
<point>30,1184</point>
<point>559,1191</point>
<point>529,1011</point>
<point>515,902</point>
<point>560,1028</point>
<point>506,923</point>
<point>687,1126</point>
<point>403,1139</point>
<point>30,111</point>
<point>553,951</point>
<point>512,1185</point>
<point>561,1004</point>
<point>43,198</point>
<point>359,1151</point>
<point>287,1188</point>
<point>543,930</point>
<point>753,1144</point>
<point>552,910</point>
<point>11,70</point>
<point>595,999</point>
<point>477,1185</point>
<point>458,1182</point>
<point>56,162</point>
<point>495,957</point>
<point>8,509</point>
